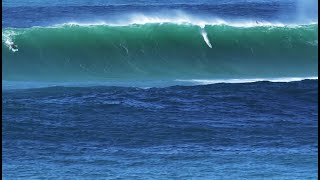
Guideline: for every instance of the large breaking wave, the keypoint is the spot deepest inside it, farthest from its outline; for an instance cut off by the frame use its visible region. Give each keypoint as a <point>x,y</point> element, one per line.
<point>159,51</point>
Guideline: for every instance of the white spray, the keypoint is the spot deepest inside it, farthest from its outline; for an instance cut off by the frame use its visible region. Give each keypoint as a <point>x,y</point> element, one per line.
<point>307,10</point>
<point>7,38</point>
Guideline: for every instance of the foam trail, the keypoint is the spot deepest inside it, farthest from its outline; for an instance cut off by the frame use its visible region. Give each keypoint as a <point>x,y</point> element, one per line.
<point>205,38</point>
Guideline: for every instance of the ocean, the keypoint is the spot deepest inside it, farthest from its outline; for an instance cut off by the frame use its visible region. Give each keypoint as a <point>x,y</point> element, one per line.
<point>193,89</point>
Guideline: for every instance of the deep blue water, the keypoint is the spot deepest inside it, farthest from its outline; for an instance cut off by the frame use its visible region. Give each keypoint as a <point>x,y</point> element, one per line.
<point>257,130</point>
<point>158,126</point>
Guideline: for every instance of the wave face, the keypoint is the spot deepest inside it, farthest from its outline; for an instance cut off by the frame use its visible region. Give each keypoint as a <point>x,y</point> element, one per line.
<point>158,50</point>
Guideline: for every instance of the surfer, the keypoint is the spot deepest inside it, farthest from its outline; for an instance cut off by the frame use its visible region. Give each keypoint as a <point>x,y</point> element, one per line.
<point>13,46</point>
<point>257,22</point>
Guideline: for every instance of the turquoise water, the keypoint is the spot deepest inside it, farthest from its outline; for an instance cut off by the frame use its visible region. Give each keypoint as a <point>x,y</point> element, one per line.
<point>159,51</point>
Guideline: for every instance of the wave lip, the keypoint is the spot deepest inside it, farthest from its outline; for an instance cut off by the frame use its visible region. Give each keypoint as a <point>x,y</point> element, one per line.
<point>180,17</point>
<point>142,20</point>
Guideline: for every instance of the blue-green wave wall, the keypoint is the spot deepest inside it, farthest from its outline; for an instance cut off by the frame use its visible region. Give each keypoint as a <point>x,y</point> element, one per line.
<point>159,51</point>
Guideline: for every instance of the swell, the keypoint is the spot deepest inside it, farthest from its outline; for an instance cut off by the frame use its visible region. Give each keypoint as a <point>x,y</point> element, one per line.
<point>158,51</point>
